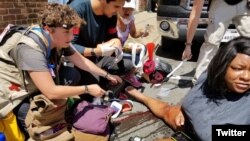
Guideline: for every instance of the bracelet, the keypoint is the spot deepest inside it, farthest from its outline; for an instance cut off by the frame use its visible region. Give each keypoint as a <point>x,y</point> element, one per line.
<point>86,89</point>
<point>188,44</point>
<point>106,76</point>
<point>93,52</point>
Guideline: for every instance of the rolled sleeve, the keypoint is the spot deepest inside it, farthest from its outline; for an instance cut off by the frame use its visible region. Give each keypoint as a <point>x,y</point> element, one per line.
<point>79,48</point>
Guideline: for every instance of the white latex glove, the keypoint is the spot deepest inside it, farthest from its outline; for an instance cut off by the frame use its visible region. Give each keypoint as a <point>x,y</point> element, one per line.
<point>136,47</point>
<point>107,49</point>
<point>130,45</point>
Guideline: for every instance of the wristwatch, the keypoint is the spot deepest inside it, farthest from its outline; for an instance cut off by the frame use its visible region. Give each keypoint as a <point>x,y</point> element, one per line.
<point>93,52</point>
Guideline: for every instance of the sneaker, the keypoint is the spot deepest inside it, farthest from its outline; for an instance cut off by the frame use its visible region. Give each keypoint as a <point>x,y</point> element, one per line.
<point>132,79</point>
<point>127,105</point>
<point>117,108</point>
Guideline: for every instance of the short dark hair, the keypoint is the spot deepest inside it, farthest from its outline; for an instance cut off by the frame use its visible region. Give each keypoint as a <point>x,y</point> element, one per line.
<point>215,85</point>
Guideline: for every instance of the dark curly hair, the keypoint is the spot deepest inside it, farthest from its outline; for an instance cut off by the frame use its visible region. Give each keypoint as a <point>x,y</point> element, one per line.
<point>58,15</point>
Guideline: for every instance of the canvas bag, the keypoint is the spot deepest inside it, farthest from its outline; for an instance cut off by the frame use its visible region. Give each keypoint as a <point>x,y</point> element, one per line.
<point>12,83</point>
<point>45,120</point>
<point>93,119</point>
<point>81,136</point>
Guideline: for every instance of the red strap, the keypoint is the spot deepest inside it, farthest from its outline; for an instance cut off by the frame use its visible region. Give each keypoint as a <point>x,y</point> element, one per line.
<point>150,48</point>
<point>76,30</point>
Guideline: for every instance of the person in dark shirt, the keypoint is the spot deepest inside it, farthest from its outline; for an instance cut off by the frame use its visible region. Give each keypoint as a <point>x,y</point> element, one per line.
<point>97,40</point>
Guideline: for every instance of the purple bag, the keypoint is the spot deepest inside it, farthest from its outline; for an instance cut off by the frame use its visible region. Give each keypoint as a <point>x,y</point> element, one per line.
<point>93,119</point>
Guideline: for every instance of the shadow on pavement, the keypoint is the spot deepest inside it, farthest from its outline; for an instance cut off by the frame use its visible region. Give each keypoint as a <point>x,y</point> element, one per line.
<point>173,49</point>
<point>139,121</point>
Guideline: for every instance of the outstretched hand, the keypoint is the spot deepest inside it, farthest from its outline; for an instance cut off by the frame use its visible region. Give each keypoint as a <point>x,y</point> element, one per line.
<point>164,139</point>
<point>106,49</point>
<point>187,53</point>
<point>144,34</point>
<point>115,79</point>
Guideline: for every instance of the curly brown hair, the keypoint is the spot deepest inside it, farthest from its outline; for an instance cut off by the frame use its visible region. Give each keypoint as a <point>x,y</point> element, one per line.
<point>58,15</point>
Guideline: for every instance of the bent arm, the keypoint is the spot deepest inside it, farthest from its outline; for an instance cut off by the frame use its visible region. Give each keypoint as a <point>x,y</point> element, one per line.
<point>99,49</point>
<point>169,113</point>
<point>45,83</point>
<point>192,25</point>
<point>85,64</point>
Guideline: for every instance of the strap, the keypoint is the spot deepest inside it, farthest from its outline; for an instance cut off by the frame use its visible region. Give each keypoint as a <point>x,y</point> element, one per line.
<point>16,95</point>
<point>15,57</point>
<point>7,61</point>
<point>118,54</point>
<point>175,69</point>
<point>37,34</point>
<point>38,41</point>
<point>142,54</point>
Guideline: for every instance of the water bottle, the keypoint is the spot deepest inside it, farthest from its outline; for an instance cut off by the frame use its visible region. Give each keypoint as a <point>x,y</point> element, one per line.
<point>157,62</point>
<point>2,137</point>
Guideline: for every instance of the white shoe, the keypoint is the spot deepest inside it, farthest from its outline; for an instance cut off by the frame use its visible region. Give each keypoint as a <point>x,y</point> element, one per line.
<point>117,107</point>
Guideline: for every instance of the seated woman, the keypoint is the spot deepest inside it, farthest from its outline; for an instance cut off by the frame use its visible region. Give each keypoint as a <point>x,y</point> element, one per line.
<point>220,93</point>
